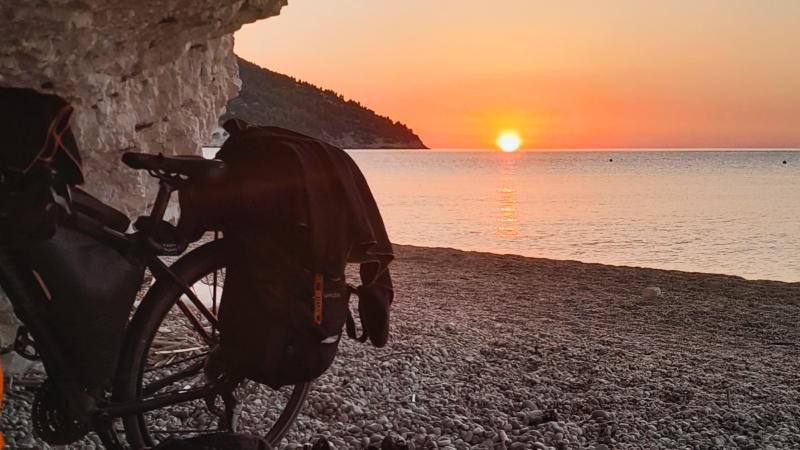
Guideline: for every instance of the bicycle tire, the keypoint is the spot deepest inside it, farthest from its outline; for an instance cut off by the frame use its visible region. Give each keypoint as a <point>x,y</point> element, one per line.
<point>146,322</point>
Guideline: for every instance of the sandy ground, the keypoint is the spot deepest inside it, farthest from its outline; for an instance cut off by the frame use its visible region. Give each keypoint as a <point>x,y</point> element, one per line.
<point>502,351</point>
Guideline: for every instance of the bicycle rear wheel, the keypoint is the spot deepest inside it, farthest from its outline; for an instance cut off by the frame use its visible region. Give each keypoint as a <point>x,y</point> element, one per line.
<point>166,349</point>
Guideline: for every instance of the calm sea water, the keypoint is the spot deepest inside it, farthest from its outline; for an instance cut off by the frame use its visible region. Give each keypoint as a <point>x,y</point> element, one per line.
<point>732,212</point>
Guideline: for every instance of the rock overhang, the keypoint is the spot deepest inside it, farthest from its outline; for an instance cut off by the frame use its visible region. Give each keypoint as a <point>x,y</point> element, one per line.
<point>146,75</point>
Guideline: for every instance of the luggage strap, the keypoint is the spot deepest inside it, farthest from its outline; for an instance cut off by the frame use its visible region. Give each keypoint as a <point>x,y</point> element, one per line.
<point>318,287</point>
<point>351,322</point>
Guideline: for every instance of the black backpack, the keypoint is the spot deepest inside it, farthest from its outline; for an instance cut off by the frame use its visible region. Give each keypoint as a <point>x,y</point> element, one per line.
<point>293,211</point>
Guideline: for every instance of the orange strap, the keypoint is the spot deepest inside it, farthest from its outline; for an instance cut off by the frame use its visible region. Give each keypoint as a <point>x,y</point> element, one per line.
<point>318,299</point>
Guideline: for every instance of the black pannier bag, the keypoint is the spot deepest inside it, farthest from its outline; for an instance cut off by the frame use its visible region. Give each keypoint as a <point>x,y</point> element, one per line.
<point>91,288</point>
<point>293,211</point>
<point>43,217</point>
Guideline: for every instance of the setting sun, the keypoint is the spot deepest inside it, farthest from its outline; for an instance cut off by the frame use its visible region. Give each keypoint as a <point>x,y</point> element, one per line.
<point>508,141</point>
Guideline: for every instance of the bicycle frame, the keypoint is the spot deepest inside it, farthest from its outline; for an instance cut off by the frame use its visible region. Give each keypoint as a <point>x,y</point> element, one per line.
<point>28,297</point>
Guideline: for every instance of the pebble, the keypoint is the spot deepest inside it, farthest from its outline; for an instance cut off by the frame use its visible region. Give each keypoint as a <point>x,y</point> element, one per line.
<point>651,292</point>
<point>503,436</point>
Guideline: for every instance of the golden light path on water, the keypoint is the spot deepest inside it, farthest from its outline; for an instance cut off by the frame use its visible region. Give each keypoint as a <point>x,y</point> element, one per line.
<point>508,217</point>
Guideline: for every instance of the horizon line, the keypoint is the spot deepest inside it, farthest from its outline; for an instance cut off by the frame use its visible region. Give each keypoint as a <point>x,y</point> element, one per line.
<point>597,149</point>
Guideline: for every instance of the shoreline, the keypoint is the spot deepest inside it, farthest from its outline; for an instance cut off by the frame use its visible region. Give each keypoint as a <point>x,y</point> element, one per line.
<point>489,253</point>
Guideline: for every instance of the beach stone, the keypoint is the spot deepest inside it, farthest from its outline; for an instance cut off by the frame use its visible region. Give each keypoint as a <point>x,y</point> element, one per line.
<point>528,404</point>
<point>535,417</point>
<point>503,436</point>
<point>651,292</point>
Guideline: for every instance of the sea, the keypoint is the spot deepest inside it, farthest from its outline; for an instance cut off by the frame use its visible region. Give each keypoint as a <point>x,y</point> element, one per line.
<point>730,212</point>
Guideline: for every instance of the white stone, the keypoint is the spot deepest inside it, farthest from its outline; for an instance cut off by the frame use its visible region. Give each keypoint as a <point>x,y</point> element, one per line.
<point>218,137</point>
<point>651,292</point>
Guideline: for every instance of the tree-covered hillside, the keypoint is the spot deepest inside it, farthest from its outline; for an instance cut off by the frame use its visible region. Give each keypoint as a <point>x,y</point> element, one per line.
<point>270,98</point>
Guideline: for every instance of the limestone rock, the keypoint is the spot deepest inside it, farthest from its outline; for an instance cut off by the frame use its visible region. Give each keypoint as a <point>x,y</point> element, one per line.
<point>145,75</point>
<point>8,323</point>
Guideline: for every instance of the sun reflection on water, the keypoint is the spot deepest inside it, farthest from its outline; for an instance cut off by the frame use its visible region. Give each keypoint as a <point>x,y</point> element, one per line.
<point>507,213</point>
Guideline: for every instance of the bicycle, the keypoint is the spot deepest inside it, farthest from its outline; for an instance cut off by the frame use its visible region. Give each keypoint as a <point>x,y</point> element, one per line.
<point>159,369</point>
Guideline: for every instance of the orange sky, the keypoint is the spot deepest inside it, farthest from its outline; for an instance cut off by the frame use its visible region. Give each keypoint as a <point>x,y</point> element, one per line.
<point>566,74</point>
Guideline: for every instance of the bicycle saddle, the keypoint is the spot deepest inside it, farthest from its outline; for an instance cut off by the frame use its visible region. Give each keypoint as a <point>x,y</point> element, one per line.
<point>189,165</point>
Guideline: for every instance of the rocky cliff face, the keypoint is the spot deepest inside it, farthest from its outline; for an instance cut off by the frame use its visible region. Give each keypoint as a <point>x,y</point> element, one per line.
<point>147,75</point>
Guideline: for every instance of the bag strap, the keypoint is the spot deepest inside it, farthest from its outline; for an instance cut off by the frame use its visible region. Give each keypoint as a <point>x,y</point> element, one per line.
<point>375,297</point>
<point>351,322</point>
<point>53,139</point>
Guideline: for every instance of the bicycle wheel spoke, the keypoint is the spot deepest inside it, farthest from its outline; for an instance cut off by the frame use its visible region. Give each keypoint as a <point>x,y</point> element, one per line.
<point>177,363</point>
<point>169,431</point>
<point>194,321</point>
<point>198,304</point>
<point>157,385</point>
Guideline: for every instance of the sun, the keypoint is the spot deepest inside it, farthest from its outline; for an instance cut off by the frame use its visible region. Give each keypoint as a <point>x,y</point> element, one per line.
<point>508,141</point>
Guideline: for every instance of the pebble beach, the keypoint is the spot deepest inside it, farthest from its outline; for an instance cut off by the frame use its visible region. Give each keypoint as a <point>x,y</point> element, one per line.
<point>500,351</point>
<point>508,352</point>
